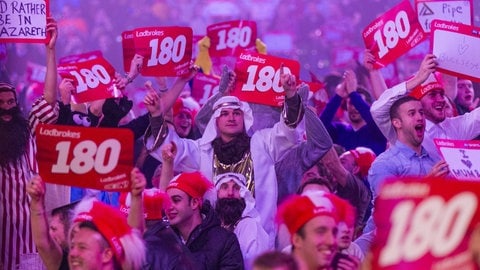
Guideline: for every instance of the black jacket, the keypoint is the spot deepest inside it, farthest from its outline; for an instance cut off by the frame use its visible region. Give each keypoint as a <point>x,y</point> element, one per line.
<point>164,248</point>
<point>212,246</point>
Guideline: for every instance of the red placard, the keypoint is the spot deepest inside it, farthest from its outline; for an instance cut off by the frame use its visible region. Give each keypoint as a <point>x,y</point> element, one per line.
<point>393,34</point>
<point>93,79</point>
<point>425,224</point>
<point>167,50</point>
<point>231,38</point>
<point>99,158</point>
<point>258,78</point>
<point>203,87</point>
<point>457,49</point>
<point>128,49</point>
<point>24,21</point>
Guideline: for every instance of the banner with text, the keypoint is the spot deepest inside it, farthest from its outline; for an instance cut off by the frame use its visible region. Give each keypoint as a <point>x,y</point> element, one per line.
<point>231,38</point>
<point>456,47</point>
<point>167,50</point>
<point>460,11</point>
<point>23,21</point>
<point>98,158</point>
<point>258,78</point>
<point>462,157</point>
<point>425,223</point>
<point>393,34</point>
<point>93,79</point>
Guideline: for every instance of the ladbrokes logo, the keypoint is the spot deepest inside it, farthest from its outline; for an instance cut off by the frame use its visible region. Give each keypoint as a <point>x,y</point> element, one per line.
<point>57,133</point>
<point>249,57</point>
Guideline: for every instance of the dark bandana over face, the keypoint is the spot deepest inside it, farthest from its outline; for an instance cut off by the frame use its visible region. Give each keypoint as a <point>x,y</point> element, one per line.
<point>14,136</point>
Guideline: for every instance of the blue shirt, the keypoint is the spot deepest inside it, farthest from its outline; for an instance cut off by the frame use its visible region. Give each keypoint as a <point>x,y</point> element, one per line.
<point>368,136</point>
<point>397,161</point>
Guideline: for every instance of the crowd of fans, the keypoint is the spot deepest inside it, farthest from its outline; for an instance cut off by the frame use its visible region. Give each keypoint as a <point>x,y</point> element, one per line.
<point>210,189</point>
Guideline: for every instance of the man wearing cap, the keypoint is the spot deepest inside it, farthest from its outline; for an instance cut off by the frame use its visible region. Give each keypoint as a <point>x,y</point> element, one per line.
<point>235,206</point>
<point>17,159</point>
<point>228,146</point>
<point>427,87</point>
<point>144,207</point>
<point>312,221</point>
<point>102,239</point>
<point>194,220</point>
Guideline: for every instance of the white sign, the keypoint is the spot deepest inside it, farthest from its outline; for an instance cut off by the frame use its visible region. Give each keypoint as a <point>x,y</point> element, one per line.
<point>462,157</point>
<point>451,11</point>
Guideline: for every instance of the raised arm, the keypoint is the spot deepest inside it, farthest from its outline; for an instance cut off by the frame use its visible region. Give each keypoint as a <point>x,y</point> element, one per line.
<point>50,92</point>
<point>376,78</point>
<point>135,215</point>
<point>50,251</point>
<point>169,151</point>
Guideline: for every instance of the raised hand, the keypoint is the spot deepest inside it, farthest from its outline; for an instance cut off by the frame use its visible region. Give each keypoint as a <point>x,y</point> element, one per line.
<point>289,83</point>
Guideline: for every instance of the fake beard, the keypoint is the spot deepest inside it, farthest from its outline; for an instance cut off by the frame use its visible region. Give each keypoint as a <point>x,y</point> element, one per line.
<point>14,136</point>
<point>229,210</point>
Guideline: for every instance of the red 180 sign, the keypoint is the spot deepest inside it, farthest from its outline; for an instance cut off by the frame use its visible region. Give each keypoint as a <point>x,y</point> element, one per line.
<point>93,79</point>
<point>423,224</point>
<point>167,50</point>
<point>258,78</point>
<point>99,158</point>
<point>230,38</point>
<point>393,34</point>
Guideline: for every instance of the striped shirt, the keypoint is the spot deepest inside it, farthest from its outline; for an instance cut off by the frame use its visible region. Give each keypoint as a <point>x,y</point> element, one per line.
<point>16,236</point>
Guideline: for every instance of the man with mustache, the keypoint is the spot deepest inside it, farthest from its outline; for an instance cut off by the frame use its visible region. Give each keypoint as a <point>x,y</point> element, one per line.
<point>17,160</point>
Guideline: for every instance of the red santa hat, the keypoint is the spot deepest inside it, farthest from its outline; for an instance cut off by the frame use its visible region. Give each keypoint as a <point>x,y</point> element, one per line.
<point>434,81</point>
<point>364,158</point>
<point>110,222</point>
<point>195,184</point>
<point>188,105</point>
<point>299,209</point>
<point>153,203</point>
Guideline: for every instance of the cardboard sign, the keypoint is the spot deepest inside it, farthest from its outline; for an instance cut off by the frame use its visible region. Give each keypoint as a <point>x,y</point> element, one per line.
<point>446,10</point>
<point>23,20</point>
<point>167,50</point>
<point>231,38</point>
<point>393,34</point>
<point>128,49</point>
<point>462,157</point>
<point>203,87</point>
<point>456,47</point>
<point>93,79</point>
<point>425,224</point>
<point>258,78</point>
<point>98,158</point>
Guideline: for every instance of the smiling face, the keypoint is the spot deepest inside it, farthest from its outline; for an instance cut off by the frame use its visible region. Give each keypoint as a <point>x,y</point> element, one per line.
<point>433,104</point>
<point>88,250</point>
<point>181,208</point>
<point>315,243</point>
<point>183,123</point>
